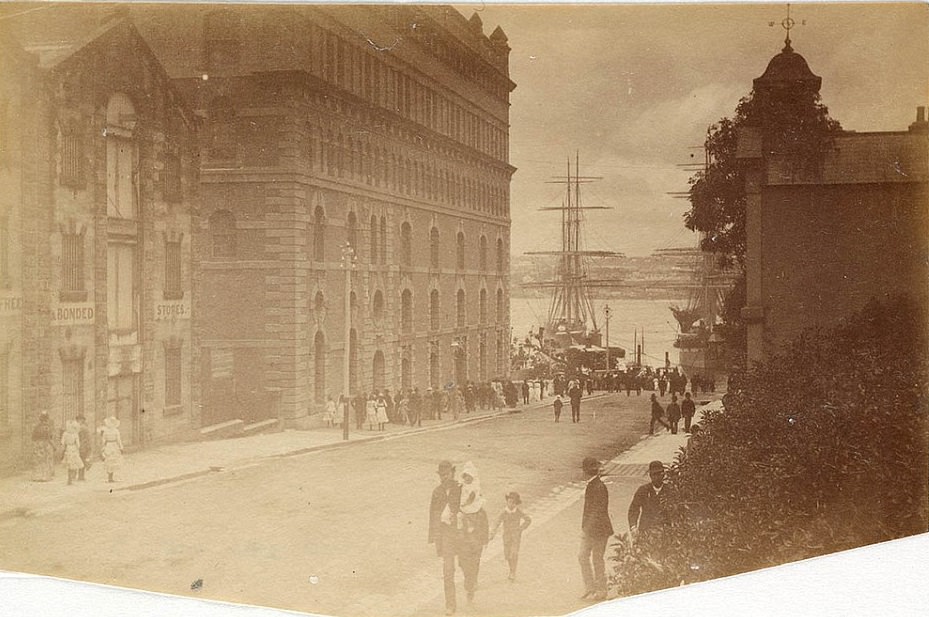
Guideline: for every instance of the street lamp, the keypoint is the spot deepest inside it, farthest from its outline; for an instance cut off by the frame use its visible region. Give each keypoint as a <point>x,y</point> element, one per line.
<point>348,264</point>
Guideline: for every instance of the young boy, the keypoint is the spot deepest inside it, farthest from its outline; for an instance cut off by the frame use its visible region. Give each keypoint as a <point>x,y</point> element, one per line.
<point>514,522</point>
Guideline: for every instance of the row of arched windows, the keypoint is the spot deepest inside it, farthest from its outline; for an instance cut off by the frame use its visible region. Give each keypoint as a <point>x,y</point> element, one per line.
<point>223,241</point>
<point>320,358</point>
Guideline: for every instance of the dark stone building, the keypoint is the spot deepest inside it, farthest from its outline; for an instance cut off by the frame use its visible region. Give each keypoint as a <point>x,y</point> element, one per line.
<point>823,240</point>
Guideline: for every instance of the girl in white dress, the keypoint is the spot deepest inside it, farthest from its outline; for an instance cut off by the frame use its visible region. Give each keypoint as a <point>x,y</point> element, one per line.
<point>112,450</point>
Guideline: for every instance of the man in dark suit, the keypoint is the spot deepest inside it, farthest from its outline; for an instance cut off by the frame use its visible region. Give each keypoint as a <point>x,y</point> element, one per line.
<point>574,394</point>
<point>647,509</point>
<point>595,531</point>
<point>443,528</point>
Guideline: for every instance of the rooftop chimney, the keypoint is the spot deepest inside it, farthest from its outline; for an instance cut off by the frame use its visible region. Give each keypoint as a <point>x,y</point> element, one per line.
<point>921,125</point>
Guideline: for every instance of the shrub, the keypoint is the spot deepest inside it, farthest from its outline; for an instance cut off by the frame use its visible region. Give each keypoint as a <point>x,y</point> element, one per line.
<point>823,448</point>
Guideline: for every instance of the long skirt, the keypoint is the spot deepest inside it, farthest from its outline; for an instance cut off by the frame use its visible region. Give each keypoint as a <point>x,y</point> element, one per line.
<point>43,456</point>
<point>112,456</point>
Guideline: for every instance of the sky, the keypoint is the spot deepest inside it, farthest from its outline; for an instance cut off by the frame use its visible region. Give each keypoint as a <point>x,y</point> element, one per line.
<point>631,90</point>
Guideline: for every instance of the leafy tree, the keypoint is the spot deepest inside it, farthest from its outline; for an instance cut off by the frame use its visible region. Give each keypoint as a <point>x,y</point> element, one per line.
<point>792,122</point>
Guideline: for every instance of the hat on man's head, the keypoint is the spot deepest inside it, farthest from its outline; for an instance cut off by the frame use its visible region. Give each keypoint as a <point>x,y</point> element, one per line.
<point>590,465</point>
<point>655,466</point>
<point>446,466</point>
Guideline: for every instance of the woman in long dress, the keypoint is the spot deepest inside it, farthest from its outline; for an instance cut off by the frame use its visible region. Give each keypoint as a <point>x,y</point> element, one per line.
<point>43,450</point>
<point>71,442</point>
<point>381,409</point>
<point>112,450</point>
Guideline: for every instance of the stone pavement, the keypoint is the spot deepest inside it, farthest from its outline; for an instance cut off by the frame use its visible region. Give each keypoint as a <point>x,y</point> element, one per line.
<point>178,462</point>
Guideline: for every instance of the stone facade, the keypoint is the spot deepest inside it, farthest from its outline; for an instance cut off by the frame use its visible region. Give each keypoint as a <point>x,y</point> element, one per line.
<point>102,217</point>
<point>328,125</point>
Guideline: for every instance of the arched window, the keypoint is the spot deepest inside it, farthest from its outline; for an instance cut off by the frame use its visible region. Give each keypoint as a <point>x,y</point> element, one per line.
<point>377,308</point>
<point>482,357</point>
<point>377,371</point>
<point>500,256</point>
<point>406,244</point>
<point>434,247</point>
<point>222,234</point>
<point>482,308</point>
<point>434,375</point>
<point>406,372</point>
<point>319,235</point>
<point>460,262</point>
<point>435,319</point>
<point>353,307</point>
<point>482,254</point>
<point>383,239</point>
<point>120,158</point>
<point>351,231</point>
<point>462,312</point>
<point>319,304</point>
<point>500,319</point>
<point>352,361</point>
<point>319,368</point>
<point>374,243</point>
<point>406,311</point>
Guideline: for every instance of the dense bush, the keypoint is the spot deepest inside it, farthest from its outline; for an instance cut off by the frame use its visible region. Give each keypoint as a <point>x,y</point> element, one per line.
<point>823,448</point>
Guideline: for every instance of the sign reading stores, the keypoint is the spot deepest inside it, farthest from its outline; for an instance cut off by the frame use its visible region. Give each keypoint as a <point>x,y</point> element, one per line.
<point>72,314</point>
<point>169,311</point>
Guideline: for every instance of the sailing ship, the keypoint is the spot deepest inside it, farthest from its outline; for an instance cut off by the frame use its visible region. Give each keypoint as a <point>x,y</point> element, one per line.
<point>698,338</point>
<point>571,321</point>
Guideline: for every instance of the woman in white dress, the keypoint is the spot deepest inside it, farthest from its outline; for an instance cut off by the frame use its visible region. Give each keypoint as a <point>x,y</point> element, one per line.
<point>535,392</point>
<point>71,443</point>
<point>112,449</point>
<point>381,410</point>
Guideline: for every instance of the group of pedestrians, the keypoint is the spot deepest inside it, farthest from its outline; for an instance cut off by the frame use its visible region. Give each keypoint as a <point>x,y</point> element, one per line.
<point>73,446</point>
<point>459,528</point>
<point>675,411</point>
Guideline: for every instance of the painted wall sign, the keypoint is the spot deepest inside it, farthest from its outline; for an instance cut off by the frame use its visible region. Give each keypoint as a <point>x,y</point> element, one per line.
<point>72,314</point>
<point>169,311</point>
<point>11,305</point>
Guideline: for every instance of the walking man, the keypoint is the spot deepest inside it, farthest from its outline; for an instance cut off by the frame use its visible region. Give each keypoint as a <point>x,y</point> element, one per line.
<point>688,409</point>
<point>574,393</point>
<point>443,528</point>
<point>657,412</point>
<point>648,509</point>
<point>674,414</point>
<point>596,529</point>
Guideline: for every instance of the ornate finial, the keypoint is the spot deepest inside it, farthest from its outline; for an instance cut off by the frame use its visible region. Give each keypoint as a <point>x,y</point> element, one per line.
<point>787,24</point>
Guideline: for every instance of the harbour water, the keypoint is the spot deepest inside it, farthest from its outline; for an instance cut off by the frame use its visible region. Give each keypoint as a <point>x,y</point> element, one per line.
<point>626,316</point>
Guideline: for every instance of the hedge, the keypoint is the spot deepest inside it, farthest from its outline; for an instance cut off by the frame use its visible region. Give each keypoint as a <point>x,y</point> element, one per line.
<point>823,448</point>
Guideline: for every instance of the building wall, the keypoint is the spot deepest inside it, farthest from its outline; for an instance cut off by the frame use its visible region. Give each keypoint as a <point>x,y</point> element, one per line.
<point>22,235</point>
<point>341,131</point>
<point>860,242</point>
<point>108,187</point>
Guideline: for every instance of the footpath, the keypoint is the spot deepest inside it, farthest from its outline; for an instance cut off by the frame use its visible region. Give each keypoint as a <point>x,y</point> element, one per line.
<point>549,580</point>
<point>170,463</point>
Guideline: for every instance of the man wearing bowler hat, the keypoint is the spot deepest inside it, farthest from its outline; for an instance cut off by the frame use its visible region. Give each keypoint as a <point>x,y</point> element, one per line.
<point>443,528</point>
<point>595,531</point>
<point>647,509</point>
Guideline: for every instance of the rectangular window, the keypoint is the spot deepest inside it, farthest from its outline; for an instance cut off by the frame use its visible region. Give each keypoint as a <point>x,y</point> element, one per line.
<point>72,389</point>
<point>121,294</point>
<point>172,177</point>
<point>173,289</point>
<point>72,268</point>
<point>172,376</point>
<point>71,155</point>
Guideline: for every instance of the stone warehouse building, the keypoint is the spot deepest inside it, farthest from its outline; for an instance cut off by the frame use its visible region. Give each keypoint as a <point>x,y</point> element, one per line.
<point>382,126</point>
<point>823,240</point>
<point>98,194</point>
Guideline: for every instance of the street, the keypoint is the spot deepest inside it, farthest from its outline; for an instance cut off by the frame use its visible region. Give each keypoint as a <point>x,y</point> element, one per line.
<point>343,531</point>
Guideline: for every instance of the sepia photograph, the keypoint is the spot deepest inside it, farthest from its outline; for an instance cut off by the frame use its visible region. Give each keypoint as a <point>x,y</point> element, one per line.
<point>403,309</point>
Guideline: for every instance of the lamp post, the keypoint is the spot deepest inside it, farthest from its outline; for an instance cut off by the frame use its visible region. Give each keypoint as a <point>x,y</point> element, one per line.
<point>348,264</point>
<point>606,314</point>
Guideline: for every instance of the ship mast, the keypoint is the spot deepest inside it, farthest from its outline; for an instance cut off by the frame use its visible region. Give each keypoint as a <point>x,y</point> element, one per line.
<point>571,306</point>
